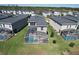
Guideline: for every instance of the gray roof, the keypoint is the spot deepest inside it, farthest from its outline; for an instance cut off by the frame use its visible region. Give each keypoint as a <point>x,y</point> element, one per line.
<point>3,16</point>
<point>13,19</point>
<point>40,20</point>
<point>72,18</point>
<point>62,21</point>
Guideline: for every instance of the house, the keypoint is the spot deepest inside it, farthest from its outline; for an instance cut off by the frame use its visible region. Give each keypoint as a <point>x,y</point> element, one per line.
<point>74,18</point>
<point>64,13</point>
<point>4,11</point>
<point>57,13</point>
<point>3,16</point>
<point>46,13</point>
<point>37,30</point>
<point>66,26</point>
<point>70,13</point>
<point>14,23</point>
<point>61,23</point>
<point>75,13</point>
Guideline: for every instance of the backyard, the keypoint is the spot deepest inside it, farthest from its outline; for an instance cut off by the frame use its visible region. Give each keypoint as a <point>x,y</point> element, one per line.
<point>16,45</point>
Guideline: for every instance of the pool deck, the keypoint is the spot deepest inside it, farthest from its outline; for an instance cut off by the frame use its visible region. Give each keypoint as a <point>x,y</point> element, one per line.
<point>39,37</point>
<point>5,35</point>
<point>68,35</point>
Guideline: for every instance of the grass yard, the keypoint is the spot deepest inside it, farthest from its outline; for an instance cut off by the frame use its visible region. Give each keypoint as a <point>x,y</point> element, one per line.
<point>16,45</point>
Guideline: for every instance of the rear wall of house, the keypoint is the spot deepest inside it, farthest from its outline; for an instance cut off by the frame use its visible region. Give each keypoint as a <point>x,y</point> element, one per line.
<point>44,29</point>
<point>7,26</point>
<point>68,27</point>
<point>56,26</point>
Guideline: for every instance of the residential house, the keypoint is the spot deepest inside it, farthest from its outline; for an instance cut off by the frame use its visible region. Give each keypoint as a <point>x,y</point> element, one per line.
<point>46,13</point>
<point>61,23</point>
<point>37,30</point>
<point>57,13</point>
<point>14,23</point>
<point>67,26</point>
<point>70,13</point>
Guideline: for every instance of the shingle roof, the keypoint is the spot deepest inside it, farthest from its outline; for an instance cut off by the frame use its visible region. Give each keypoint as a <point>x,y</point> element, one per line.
<point>40,20</point>
<point>62,21</point>
<point>13,19</point>
<point>3,16</point>
<point>72,18</point>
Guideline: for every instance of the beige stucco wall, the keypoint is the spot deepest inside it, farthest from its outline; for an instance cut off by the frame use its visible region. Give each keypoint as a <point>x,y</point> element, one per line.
<point>8,26</point>
<point>68,27</point>
<point>44,29</point>
<point>56,26</point>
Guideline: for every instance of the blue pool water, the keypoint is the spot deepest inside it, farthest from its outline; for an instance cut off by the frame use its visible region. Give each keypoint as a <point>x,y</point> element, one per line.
<point>2,37</point>
<point>69,38</point>
<point>30,39</point>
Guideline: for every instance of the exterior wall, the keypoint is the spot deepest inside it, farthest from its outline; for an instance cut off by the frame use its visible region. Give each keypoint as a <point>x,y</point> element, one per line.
<point>57,13</point>
<point>7,26</point>
<point>39,28</point>
<point>14,12</point>
<point>31,25</point>
<point>64,13</point>
<point>33,14</point>
<point>70,13</point>
<point>68,27</point>
<point>46,14</point>
<point>56,26</point>
<point>44,29</point>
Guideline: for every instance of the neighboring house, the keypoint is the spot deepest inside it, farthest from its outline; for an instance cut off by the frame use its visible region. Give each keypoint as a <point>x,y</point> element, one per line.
<point>4,11</point>
<point>60,23</point>
<point>37,30</point>
<point>76,13</point>
<point>4,16</point>
<point>70,13</point>
<point>57,13</point>
<point>14,23</point>
<point>18,12</point>
<point>67,26</point>
<point>47,13</point>
<point>74,18</point>
<point>64,13</point>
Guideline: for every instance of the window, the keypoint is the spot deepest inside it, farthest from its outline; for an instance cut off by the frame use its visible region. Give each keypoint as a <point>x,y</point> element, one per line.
<point>10,26</point>
<point>32,23</point>
<point>70,26</point>
<point>3,25</point>
<point>41,28</point>
<point>67,26</point>
<point>0,25</point>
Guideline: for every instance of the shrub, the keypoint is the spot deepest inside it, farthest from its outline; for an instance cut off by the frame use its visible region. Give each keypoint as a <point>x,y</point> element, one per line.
<point>47,32</point>
<point>71,44</point>
<point>54,41</point>
<point>52,34</point>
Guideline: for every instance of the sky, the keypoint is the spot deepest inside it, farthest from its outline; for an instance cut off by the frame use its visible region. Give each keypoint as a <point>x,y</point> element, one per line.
<point>45,5</point>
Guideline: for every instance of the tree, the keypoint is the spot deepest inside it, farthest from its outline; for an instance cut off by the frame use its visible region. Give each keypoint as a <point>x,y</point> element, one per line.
<point>52,34</point>
<point>54,41</point>
<point>62,15</point>
<point>71,44</point>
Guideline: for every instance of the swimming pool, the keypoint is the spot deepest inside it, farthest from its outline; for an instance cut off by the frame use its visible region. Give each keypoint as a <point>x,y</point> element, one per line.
<point>30,39</point>
<point>3,37</point>
<point>70,38</point>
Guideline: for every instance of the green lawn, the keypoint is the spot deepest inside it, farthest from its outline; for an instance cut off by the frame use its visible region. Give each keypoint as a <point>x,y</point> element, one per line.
<point>16,45</point>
